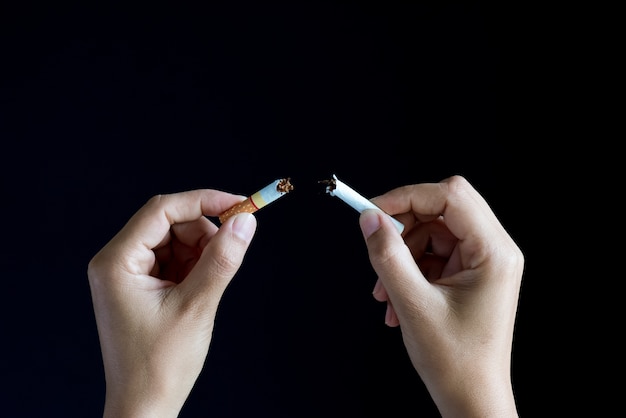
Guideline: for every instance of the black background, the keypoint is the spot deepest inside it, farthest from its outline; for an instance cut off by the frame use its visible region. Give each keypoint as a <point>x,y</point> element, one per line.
<point>105,105</point>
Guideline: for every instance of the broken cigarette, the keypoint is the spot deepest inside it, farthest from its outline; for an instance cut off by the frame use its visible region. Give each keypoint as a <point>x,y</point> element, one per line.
<point>336,187</point>
<point>263,197</point>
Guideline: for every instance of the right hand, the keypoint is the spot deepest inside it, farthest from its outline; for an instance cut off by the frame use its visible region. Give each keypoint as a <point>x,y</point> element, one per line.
<point>451,282</point>
<point>156,287</point>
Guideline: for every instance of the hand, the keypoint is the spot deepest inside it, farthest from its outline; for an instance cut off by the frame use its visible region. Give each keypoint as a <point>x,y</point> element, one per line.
<point>451,283</point>
<point>156,287</point>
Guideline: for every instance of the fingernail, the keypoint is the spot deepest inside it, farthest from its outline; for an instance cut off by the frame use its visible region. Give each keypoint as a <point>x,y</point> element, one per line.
<point>244,225</point>
<point>369,221</point>
<point>377,287</point>
<point>388,315</point>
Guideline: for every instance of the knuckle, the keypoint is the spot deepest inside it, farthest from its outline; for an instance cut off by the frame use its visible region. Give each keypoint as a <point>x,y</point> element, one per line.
<point>385,257</point>
<point>224,263</point>
<point>457,184</point>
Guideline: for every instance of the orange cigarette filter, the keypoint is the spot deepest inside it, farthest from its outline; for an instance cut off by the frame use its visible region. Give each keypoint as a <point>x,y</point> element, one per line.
<point>263,197</point>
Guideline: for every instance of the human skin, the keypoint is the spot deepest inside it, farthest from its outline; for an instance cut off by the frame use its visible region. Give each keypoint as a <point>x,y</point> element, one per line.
<point>156,287</point>
<point>451,282</point>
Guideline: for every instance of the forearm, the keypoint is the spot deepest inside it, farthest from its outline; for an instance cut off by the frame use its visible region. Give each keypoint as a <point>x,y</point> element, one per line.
<point>138,410</point>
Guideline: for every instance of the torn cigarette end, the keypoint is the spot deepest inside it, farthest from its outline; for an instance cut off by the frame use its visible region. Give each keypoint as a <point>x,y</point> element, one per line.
<point>336,187</point>
<point>263,197</point>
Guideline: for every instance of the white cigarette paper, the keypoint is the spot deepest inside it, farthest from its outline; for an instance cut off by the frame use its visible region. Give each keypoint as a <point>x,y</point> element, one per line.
<point>268,194</point>
<point>263,197</point>
<point>344,192</point>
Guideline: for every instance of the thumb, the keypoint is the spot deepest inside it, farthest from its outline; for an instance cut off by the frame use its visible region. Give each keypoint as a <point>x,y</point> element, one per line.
<point>220,260</point>
<point>391,259</point>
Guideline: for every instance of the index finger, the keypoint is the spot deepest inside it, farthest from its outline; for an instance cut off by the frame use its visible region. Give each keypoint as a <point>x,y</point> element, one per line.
<point>153,220</point>
<point>464,211</point>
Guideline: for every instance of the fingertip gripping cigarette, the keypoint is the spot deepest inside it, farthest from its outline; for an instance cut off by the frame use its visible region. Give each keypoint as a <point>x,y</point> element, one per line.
<point>256,201</point>
<point>336,187</point>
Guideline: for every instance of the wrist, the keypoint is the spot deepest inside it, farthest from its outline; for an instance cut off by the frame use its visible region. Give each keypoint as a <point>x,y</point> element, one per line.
<point>482,397</point>
<point>142,397</point>
<point>139,407</point>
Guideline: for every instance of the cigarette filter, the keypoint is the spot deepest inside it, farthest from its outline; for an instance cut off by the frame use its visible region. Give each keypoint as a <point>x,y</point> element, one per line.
<point>337,188</point>
<point>263,197</point>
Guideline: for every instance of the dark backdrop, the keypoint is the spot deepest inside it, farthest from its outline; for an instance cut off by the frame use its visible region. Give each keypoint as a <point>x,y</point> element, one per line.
<point>104,106</point>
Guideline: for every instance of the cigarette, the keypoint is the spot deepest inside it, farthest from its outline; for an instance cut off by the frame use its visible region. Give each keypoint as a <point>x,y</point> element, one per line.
<point>263,197</point>
<point>336,187</point>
